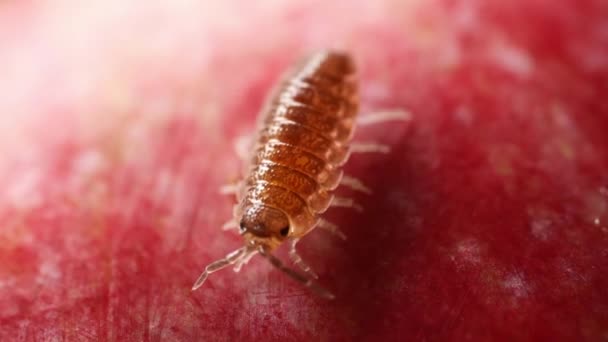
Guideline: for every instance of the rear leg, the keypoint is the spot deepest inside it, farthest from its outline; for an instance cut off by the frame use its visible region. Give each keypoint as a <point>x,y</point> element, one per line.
<point>229,189</point>
<point>346,202</point>
<point>232,224</point>
<point>332,228</point>
<point>384,116</point>
<point>377,118</point>
<point>355,184</point>
<point>242,146</point>
<point>232,189</point>
<point>369,147</point>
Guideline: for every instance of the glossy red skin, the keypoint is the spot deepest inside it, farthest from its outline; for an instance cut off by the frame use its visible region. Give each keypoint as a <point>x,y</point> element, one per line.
<point>489,219</point>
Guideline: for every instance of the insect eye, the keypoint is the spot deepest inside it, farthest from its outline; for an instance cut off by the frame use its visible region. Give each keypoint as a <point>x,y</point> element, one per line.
<point>284,231</point>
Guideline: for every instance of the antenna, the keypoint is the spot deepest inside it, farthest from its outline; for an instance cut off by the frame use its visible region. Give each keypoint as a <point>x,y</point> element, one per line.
<point>215,266</point>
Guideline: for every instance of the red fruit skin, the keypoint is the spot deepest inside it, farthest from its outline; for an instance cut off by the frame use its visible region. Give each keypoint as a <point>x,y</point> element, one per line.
<point>489,218</point>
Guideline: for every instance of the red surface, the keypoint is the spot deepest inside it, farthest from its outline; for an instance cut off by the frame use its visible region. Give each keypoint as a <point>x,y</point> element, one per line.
<point>489,219</point>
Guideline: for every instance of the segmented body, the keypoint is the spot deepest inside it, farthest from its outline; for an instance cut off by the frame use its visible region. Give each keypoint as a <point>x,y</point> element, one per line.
<point>302,142</point>
<point>296,162</point>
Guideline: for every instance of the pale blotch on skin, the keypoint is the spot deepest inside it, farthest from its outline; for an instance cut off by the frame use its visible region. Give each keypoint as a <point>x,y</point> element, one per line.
<point>49,272</point>
<point>467,252</point>
<point>516,285</point>
<point>450,57</point>
<point>564,124</point>
<point>23,192</point>
<point>541,228</point>
<point>512,58</point>
<point>85,167</point>
<point>543,222</point>
<point>465,115</point>
<point>561,118</point>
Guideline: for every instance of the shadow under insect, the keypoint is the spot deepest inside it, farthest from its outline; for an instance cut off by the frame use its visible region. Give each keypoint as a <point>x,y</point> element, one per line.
<point>367,268</point>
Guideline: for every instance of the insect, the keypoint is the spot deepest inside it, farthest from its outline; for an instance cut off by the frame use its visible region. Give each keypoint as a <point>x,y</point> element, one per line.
<point>303,140</point>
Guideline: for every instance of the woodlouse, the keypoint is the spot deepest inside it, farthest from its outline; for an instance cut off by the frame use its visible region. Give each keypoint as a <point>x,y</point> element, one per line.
<point>303,140</point>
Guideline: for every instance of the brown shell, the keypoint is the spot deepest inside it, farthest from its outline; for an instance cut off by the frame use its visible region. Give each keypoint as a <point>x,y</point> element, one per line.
<point>303,140</point>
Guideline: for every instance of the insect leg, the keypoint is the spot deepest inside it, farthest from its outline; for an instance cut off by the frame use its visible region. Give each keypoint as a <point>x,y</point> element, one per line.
<point>376,118</point>
<point>232,189</point>
<point>345,202</point>
<point>230,225</point>
<point>332,228</point>
<point>384,116</point>
<point>242,145</point>
<point>355,184</point>
<point>297,259</point>
<point>369,147</point>
<point>245,259</point>
<point>229,189</point>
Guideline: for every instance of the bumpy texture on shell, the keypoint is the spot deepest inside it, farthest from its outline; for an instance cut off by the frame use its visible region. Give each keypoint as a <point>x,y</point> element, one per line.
<point>302,142</point>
